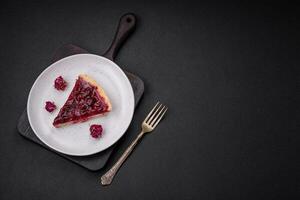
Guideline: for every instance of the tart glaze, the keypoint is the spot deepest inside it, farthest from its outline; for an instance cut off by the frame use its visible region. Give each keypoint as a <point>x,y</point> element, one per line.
<point>83,103</point>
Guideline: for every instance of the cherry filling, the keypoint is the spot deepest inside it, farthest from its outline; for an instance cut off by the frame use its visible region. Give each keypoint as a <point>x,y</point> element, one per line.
<point>60,83</point>
<point>50,106</point>
<point>83,103</point>
<point>96,130</point>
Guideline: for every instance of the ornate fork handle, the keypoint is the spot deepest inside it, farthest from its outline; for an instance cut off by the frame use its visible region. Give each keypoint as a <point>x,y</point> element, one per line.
<point>107,178</point>
<point>148,125</point>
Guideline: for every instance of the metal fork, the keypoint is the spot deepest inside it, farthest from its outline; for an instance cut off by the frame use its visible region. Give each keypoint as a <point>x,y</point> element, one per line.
<point>148,125</point>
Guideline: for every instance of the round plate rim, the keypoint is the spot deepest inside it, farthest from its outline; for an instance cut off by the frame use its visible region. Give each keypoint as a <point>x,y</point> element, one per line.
<point>61,60</point>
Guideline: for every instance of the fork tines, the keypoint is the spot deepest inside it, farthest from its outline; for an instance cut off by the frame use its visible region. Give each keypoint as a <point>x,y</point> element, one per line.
<point>156,114</point>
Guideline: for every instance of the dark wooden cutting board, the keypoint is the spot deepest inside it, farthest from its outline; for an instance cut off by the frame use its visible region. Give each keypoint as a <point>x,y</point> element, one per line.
<point>93,162</point>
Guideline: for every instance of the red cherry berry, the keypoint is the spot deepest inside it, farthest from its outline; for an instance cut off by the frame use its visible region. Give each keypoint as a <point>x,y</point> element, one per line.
<point>60,83</point>
<point>50,106</point>
<point>96,130</point>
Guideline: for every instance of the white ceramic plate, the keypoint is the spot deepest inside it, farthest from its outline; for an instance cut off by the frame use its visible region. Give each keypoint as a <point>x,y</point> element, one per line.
<point>75,139</point>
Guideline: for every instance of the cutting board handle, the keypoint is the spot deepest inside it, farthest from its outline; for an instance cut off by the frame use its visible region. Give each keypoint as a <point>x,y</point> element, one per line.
<point>125,28</point>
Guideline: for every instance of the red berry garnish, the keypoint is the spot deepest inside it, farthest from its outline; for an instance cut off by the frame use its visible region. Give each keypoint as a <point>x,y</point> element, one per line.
<point>96,130</point>
<point>50,106</point>
<point>60,83</point>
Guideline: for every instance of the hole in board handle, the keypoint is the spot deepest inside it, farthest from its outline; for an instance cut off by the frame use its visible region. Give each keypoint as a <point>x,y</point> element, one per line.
<point>128,20</point>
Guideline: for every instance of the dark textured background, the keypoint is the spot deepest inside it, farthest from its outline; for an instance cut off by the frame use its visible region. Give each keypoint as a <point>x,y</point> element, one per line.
<point>227,72</point>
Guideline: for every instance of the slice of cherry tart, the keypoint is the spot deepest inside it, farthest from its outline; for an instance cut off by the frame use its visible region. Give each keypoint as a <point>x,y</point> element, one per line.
<point>87,100</point>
